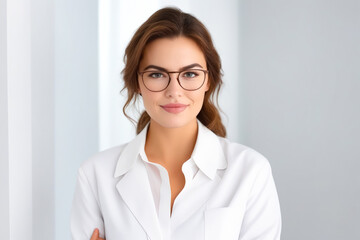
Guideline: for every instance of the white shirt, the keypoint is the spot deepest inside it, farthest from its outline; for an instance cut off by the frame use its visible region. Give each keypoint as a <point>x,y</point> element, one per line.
<point>229,194</point>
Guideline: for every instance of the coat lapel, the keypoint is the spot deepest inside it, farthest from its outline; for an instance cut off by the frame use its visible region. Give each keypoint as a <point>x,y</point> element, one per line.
<point>134,187</point>
<point>135,190</point>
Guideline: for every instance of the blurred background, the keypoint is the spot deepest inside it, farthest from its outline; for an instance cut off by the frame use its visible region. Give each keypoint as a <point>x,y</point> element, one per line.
<point>292,84</point>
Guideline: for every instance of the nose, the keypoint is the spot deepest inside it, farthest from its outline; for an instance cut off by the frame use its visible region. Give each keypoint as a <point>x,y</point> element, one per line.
<point>174,89</point>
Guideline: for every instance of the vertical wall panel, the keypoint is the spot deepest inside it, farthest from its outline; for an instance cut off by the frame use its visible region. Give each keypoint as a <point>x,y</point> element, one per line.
<point>19,118</point>
<point>4,146</point>
<point>42,90</point>
<point>76,99</point>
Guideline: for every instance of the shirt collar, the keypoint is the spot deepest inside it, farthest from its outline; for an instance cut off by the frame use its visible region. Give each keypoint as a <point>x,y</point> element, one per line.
<point>207,154</point>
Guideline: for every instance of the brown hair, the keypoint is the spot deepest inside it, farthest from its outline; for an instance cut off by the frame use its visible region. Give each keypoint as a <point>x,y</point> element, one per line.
<point>168,23</point>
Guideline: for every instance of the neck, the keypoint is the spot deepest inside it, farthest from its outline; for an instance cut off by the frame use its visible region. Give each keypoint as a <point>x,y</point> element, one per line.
<point>170,147</point>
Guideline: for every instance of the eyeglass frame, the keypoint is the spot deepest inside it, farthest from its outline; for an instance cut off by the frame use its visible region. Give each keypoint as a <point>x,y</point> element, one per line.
<point>177,78</point>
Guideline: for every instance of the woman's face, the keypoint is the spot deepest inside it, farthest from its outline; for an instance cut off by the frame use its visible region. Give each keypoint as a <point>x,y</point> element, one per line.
<point>173,107</point>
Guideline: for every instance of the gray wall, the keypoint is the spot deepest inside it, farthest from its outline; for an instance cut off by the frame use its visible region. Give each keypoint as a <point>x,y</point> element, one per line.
<point>42,122</point>
<point>301,85</point>
<point>76,99</point>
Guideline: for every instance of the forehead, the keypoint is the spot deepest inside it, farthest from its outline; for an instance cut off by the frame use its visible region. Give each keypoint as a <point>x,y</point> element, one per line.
<point>172,53</point>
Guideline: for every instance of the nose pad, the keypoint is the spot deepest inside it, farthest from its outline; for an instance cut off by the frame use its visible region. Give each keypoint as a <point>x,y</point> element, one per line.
<point>174,89</point>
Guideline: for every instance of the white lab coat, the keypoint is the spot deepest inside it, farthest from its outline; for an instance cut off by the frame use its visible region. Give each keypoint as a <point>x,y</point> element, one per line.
<point>231,196</point>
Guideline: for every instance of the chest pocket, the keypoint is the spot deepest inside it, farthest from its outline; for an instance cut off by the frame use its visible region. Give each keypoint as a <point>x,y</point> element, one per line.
<point>222,224</point>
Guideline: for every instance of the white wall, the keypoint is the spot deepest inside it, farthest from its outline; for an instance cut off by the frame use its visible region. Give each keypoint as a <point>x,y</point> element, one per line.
<point>301,80</point>
<point>19,119</point>
<point>4,146</point>
<point>27,156</point>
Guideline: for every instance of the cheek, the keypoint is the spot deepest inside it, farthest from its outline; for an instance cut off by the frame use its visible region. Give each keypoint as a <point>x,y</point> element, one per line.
<point>150,100</point>
<point>146,100</point>
<point>198,99</point>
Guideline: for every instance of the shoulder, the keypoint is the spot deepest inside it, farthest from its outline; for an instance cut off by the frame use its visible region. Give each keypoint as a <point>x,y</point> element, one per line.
<point>242,157</point>
<point>102,162</point>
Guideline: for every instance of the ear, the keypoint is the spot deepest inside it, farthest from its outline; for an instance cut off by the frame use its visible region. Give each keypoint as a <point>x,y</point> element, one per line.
<point>138,91</point>
<point>207,87</point>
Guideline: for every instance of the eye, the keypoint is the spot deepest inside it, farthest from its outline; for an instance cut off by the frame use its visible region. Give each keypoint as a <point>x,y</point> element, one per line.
<point>190,74</point>
<point>156,75</point>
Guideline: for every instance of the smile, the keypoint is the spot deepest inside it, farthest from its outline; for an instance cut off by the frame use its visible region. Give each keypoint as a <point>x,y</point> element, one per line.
<point>174,107</point>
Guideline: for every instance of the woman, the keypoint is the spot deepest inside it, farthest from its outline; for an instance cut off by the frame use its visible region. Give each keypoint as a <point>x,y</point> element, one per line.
<point>179,178</point>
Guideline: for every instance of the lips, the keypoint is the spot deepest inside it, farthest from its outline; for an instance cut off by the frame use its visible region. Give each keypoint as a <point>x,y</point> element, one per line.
<point>174,107</point>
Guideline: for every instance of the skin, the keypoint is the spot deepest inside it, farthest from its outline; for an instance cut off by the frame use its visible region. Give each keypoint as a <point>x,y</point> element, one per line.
<point>95,235</point>
<point>171,136</point>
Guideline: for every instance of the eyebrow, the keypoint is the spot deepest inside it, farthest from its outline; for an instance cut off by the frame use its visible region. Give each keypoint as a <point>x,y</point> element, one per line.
<point>181,69</point>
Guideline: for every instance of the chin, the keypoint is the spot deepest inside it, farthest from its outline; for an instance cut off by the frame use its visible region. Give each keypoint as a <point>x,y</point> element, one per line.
<point>174,122</point>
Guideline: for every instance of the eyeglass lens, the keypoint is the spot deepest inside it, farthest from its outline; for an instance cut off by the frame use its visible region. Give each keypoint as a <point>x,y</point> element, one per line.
<point>189,80</point>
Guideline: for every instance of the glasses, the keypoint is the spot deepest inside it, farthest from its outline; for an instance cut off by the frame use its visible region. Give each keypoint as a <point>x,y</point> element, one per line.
<point>157,81</point>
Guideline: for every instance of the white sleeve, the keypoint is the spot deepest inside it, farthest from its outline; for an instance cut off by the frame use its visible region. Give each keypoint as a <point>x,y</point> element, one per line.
<point>262,220</point>
<point>85,212</point>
